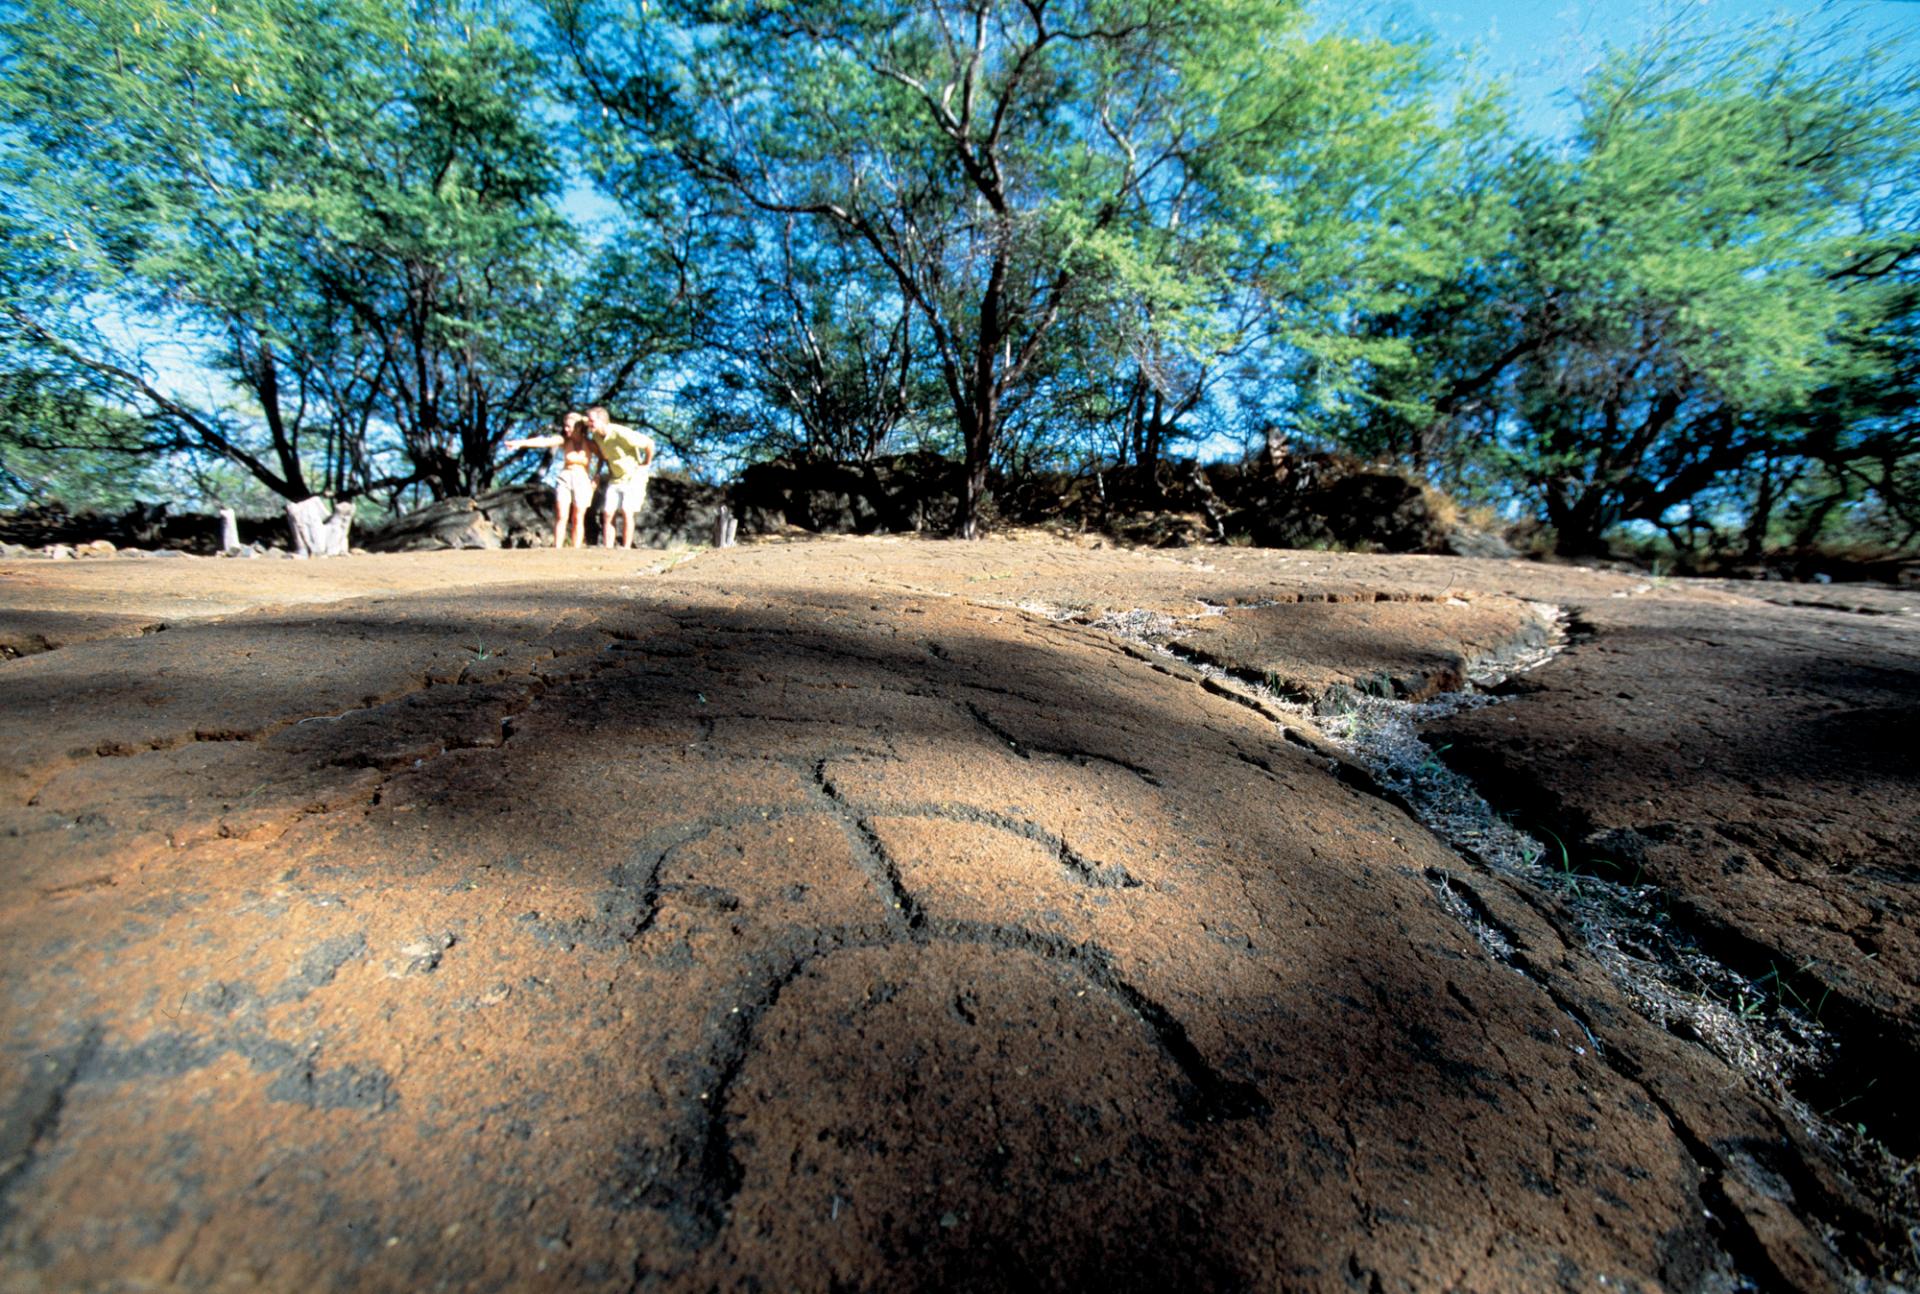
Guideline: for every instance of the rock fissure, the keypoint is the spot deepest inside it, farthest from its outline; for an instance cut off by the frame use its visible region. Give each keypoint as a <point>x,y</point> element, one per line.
<point>1625,926</point>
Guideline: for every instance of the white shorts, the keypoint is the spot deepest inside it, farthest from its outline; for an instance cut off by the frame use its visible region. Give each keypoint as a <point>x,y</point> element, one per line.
<point>629,495</point>
<point>576,485</point>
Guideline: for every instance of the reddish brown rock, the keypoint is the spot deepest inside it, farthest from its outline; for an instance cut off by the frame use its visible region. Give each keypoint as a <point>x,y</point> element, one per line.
<point>1390,646</point>
<point>806,915</point>
<point>1759,764</point>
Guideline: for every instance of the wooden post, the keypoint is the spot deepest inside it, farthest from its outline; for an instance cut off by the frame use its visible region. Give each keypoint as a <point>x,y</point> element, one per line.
<point>725,527</point>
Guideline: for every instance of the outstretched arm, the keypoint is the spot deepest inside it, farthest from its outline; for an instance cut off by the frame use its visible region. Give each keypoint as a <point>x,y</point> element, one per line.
<point>531,442</point>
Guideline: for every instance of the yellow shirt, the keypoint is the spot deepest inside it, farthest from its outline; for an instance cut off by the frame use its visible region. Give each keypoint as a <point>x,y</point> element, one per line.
<point>624,448</point>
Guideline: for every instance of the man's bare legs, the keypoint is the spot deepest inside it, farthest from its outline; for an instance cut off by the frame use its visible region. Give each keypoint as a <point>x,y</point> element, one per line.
<point>626,499</point>
<point>624,507</point>
<point>633,500</point>
<point>616,522</point>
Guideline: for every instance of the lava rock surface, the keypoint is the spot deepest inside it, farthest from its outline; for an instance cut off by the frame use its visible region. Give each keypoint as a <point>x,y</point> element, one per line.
<point>840,914</point>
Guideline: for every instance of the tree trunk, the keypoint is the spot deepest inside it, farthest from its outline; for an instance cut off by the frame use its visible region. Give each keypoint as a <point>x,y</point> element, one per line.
<point>980,422</point>
<point>1132,435</point>
<point>285,443</point>
<point>1762,515</point>
<point>979,457</point>
<point>1578,524</point>
<point>1150,458</point>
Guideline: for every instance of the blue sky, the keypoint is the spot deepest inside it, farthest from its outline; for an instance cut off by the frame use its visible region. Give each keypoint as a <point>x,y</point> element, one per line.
<point>1543,48</point>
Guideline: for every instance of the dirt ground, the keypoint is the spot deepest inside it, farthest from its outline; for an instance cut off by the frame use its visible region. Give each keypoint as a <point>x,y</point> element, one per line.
<point>866,914</point>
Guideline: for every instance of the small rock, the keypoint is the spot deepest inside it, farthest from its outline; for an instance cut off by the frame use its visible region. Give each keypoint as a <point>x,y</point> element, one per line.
<point>1469,541</point>
<point>57,552</point>
<point>96,548</point>
<point>479,533</point>
<point>422,956</point>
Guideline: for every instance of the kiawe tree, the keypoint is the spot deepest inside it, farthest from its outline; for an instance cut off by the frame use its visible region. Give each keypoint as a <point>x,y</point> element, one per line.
<point>804,348</point>
<point>1685,304</point>
<point>348,213</point>
<point>327,242</point>
<point>1007,164</point>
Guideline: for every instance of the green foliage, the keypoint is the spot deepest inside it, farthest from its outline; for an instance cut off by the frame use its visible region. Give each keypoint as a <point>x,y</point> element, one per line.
<point>1178,171</point>
<point>1083,233</point>
<point>59,442</point>
<point>347,210</point>
<point>1697,284</point>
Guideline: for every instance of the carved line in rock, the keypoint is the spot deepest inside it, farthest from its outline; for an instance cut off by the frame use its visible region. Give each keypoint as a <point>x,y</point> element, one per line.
<point>296,1077</point>
<point>1027,751</point>
<point>870,852</point>
<point>1105,876</point>
<point>34,1121</point>
<point>701,1191</point>
<point>630,906</point>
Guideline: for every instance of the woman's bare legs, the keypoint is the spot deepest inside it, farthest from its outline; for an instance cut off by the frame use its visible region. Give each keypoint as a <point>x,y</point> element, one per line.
<point>562,505</point>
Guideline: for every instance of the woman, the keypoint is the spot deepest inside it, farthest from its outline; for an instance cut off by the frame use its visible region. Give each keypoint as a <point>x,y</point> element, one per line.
<point>573,475</point>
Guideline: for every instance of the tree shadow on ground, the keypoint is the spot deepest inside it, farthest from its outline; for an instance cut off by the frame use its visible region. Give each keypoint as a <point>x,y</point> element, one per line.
<point>844,940</point>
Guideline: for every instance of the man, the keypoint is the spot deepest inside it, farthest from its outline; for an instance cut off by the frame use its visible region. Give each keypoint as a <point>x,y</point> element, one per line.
<point>629,458</point>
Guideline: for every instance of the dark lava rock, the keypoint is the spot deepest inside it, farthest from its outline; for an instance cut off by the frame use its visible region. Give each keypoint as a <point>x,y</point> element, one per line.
<point>899,494</point>
<point>1320,500</point>
<point>1298,501</point>
<point>144,525</point>
<point>678,512</point>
